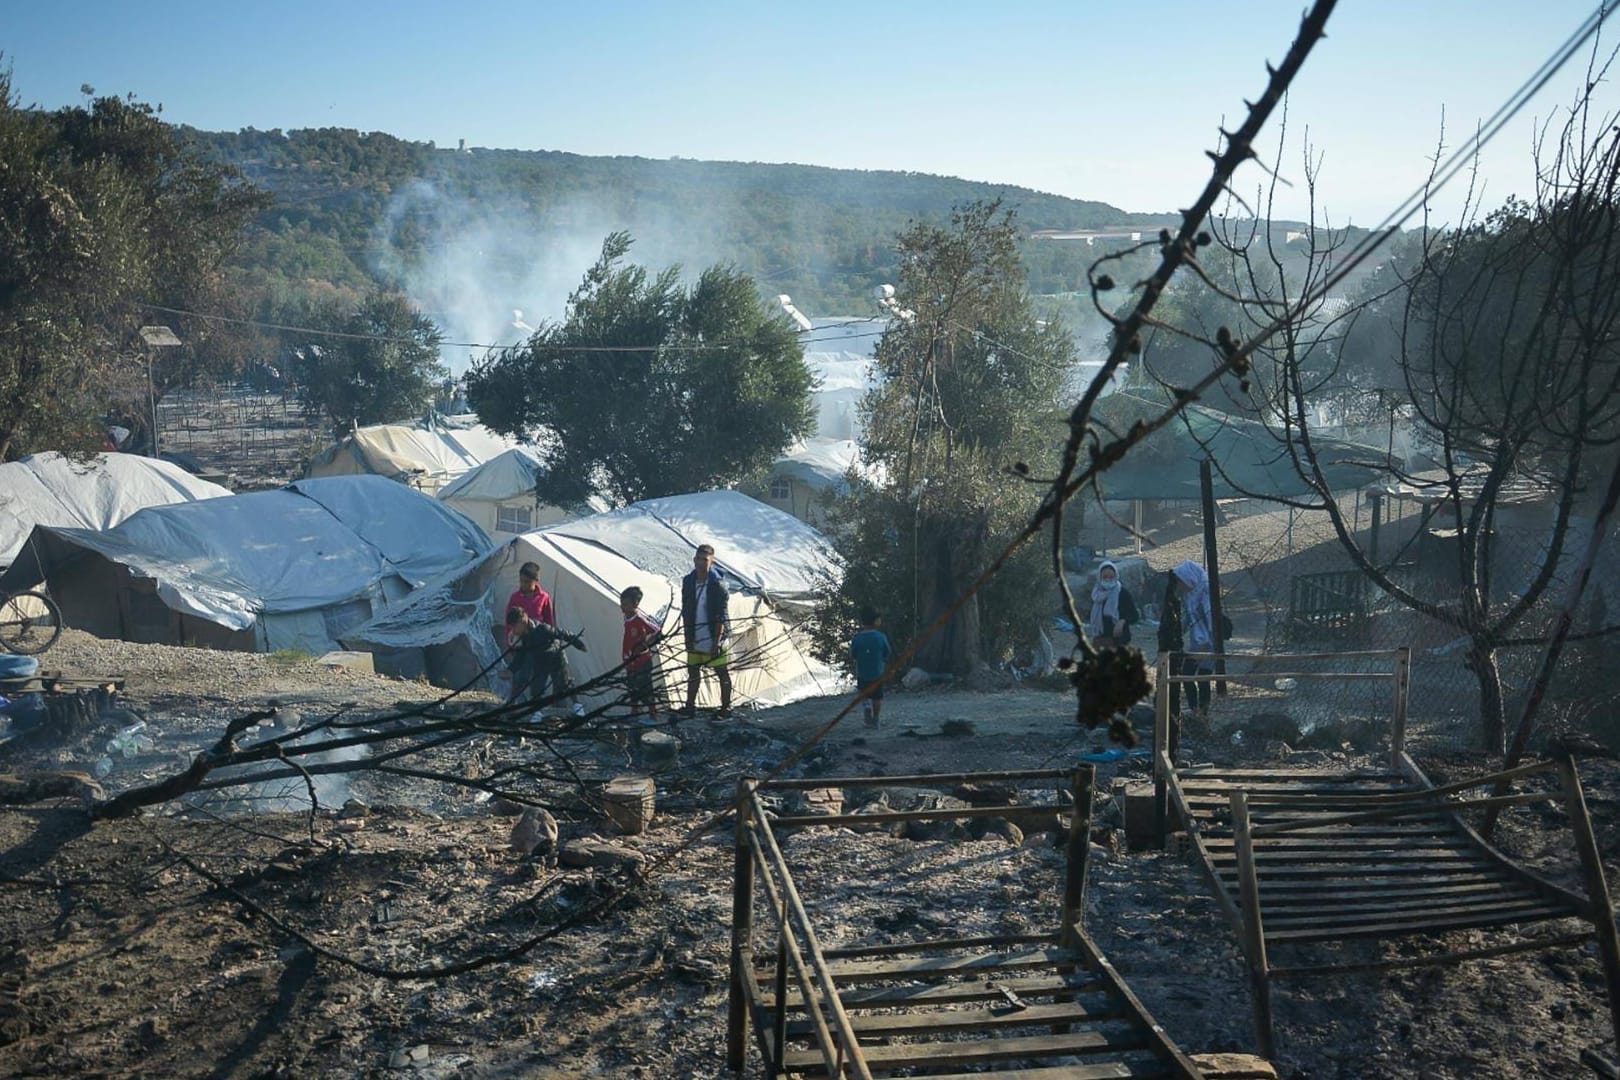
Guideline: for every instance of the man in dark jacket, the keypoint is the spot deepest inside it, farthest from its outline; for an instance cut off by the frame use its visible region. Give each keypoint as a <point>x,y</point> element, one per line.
<point>704,602</point>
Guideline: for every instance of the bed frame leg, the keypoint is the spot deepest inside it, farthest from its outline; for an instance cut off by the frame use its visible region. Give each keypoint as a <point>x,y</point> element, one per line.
<point>1254,938</point>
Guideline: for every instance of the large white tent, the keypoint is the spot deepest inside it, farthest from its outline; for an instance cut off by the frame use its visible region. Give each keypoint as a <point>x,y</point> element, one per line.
<point>270,570</point>
<point>93,493</point>
<point>451,630</point>
<point>426,454</point>
<point>499,495</point>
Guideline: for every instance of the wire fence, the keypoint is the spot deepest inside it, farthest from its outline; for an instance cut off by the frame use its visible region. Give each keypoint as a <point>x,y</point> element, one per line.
<point>1290,587</point>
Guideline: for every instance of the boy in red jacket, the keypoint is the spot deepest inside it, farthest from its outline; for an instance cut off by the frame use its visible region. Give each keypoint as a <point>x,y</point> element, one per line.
<point>640,634</point>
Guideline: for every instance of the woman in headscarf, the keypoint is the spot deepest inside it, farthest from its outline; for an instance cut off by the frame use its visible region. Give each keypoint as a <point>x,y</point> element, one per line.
<point>1112,609</point>
<point>1197,629</point>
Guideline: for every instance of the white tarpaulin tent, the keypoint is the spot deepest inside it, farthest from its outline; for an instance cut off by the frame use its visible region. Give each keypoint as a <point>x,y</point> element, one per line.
<point>499,495</point>
<point>98,493</point>
<point>838,351</point>
<point>286,569</point>
<point>426,454</point>
<point>450,630</point>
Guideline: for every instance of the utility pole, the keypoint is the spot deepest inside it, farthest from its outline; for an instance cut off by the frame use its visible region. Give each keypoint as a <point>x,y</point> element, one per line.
<point>155,337</point>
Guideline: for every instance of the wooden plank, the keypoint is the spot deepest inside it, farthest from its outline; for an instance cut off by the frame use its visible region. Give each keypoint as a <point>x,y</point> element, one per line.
<point>924,966</point>
<point>1198,772</point>
<point>1326,915</point>
<point>1350,842</point>
<point>1111,1070</point>
<point>919,1023</point>
<point>1385,869</point>
<point>1294,786</point>
<point>1395,883</point>
<point>1386,900</point>
<point>878,997</point>
<point>981,1051</point>
<point>1351,858</point>
<point>1529,913</point>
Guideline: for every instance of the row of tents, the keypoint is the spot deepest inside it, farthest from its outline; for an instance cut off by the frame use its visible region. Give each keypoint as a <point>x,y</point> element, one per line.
<point>362,562</point>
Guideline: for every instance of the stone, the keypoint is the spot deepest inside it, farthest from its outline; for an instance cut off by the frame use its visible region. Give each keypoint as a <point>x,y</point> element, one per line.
<point>342,660</point>
<point>957,727</point>
<point>592,851</point>
<point>1235,1067</point>
<point>915,679</point>
<point>820,802</point>
<point>1138,813</point>
<point>535,833</point>
<point>658,748</point>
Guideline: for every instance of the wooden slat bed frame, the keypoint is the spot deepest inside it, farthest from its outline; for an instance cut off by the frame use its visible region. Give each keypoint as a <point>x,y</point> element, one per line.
<point>1023,1008</point>
<point>1302,857</point>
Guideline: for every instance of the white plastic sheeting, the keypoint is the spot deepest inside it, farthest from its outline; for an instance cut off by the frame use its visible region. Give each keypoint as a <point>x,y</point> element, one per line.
<point>258,560</point>
<point>501,491</point>
<point>760,547</point>
<point>98,493</point>
<point>426,454</point>
<point>838,351</point>
<point>767,557</point>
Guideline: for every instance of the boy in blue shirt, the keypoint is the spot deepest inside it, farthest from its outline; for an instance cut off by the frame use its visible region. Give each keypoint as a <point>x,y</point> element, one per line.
<point>870,650</point>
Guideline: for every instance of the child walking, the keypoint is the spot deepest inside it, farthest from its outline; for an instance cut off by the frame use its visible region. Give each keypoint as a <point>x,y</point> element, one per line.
<point>870,650</point>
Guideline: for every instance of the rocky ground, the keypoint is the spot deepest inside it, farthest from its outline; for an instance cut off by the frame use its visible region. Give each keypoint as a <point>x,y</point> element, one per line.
<point>233,933</point>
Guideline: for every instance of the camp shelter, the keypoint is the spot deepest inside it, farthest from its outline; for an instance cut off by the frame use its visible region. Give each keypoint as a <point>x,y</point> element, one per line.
<point>838,351</point>
<point>427,454</point>
<point>1248,459</point>
<point>270,570</point>
<point>500,495</point>
<point>451,629</point>
<point>93,493</point>
<point>799,481</point>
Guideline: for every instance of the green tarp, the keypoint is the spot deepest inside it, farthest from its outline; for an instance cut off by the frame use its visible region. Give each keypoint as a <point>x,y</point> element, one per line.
<point>1249,459</point>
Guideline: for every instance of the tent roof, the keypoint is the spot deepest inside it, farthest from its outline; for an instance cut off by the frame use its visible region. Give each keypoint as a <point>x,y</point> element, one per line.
<point>510,475</point>
<point>311,544</point>
<point>1248,458</point>
<point>821,462</point>
<point>437,446</point>
<point>757,545</point>
<point>51,489</point>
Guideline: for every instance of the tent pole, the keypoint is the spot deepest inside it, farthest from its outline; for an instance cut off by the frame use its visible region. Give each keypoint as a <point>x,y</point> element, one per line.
<point>1206,491</point>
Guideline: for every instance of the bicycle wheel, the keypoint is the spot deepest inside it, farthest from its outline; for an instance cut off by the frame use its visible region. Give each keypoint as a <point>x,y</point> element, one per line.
<point>29,623</point>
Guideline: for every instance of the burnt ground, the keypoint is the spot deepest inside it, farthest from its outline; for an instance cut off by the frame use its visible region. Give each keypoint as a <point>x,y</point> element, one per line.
<point>235,935</point>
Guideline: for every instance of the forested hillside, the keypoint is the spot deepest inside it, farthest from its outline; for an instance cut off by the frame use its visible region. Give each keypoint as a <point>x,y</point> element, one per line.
<point>492,230</point>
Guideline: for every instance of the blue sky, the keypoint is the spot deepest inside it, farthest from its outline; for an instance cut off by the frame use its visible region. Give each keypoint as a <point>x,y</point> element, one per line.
<point>1104,101</point>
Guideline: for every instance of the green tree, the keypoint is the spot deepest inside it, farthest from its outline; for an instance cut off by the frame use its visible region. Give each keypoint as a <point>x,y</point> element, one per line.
<point>381,362</point>
<point>649,388</point>
<point>968,386</point>
<point>102,209</point>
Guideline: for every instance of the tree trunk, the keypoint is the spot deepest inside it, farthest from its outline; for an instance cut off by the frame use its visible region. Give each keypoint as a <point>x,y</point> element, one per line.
<point>951,555</point>
<point>1493,722</point>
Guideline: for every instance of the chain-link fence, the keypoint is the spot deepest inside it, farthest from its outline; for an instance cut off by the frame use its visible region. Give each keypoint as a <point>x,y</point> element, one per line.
<point>1290,586</point>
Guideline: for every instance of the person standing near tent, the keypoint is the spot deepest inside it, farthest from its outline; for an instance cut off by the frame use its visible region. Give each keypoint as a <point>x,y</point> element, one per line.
<point>531,599</point>
<point>706,620</point>
<point>1198,630</point>
<point>640,634</point>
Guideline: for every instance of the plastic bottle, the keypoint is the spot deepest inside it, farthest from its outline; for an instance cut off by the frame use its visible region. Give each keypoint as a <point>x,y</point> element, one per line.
<point>103,768</point>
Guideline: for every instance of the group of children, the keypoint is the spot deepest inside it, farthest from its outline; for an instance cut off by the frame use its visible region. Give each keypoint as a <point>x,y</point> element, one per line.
<point>535,652</point>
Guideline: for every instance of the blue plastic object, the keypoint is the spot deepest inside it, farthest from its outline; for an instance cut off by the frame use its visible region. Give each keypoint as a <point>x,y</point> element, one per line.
<point>1115,753</point>
<point>18,667</point>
